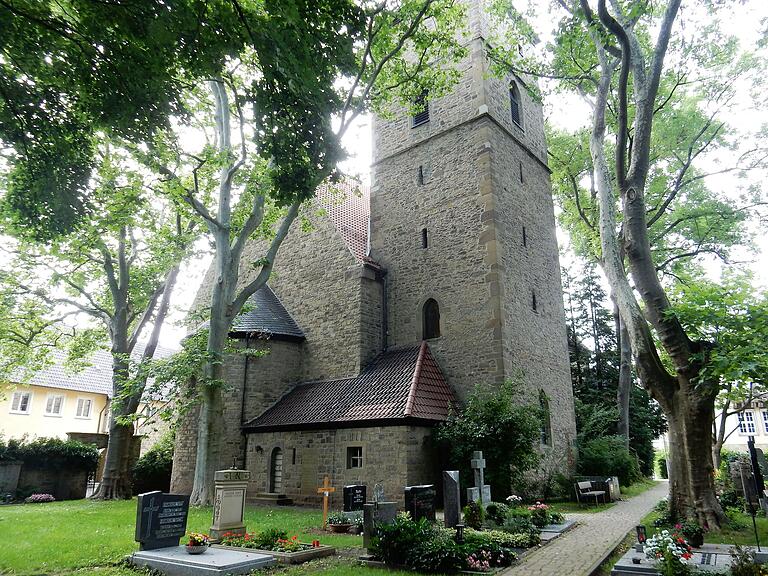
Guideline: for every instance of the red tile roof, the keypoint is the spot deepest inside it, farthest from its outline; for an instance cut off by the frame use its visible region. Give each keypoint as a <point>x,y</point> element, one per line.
<point>348,205</point>
<point>398,385</point>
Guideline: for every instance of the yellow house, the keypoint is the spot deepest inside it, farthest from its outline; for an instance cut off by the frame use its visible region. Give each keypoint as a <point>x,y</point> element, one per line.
<point>57,401</point>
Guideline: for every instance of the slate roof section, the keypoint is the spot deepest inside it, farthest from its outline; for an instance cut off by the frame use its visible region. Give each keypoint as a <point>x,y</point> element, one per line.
<point>348,205</point>
<point>96,378</point>
<point>400,385</point>
<point>268,318</point>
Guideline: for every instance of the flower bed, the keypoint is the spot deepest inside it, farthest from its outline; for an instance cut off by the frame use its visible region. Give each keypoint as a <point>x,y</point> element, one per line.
<point>275,543</point>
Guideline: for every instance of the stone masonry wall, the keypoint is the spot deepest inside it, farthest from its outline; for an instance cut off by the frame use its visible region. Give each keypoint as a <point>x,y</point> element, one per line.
<point>268,378</point>
<point>390,457</point>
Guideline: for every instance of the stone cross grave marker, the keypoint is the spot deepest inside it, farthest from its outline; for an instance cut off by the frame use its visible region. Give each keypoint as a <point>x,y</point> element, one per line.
<point>481,491</point>
<point>451,498</point>
<point>229,502</point>
<point>378,492</point>
<point>161,519</point>
<point>326,490</point>
<point>420,501</point>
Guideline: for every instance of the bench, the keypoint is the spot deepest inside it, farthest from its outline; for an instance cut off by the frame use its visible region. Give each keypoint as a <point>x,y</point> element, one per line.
<point>585,489</point>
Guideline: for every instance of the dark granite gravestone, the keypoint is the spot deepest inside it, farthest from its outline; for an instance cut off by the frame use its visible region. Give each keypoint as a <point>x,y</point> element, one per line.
<point>420,501</point>
<point>354,497</point>
<point>161,519</point>
<point>451,498</point>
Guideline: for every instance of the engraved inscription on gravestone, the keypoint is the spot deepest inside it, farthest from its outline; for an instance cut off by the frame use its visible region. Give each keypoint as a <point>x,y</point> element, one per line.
<point>420,501</point>
<point>161,519</point>
<point>229,502</point>
<point>354,497</point>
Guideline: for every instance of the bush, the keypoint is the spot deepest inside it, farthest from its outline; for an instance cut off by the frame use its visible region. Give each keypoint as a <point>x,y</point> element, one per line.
<point>609,456</point>
<point>153,470</point>
<point>424,547</point>
<point>474,515</point>
<point>525,534</point>
<point>496,422</point>
<point>51,453</point>
<point>497,513</point>
<point>39,498</point>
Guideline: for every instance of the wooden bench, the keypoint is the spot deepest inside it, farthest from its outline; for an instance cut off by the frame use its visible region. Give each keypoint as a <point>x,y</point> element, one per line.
<point>585,489</point>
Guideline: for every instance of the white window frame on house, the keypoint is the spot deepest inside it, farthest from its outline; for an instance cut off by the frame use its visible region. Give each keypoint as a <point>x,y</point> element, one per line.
<point>16,402</point>
<point>354,461</point>
<point>78,410</point>
<point>764,412</point>
<point>747,423</point>
<point>50,405</point>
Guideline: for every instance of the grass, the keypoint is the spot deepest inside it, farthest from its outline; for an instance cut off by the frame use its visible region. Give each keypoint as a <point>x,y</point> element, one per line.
<point>626,492</point>
<point>67,536</point>
<point>738,531</point>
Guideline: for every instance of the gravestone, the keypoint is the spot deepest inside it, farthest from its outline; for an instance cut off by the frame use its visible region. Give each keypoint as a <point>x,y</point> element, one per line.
<point>378,492</point>
<point>480,492</point>
<point>354,497</point>
<point>161,519</point>
<point>451,498</point>
<point>420,501</point>
<point>376,514</point>
<point>229,502</point>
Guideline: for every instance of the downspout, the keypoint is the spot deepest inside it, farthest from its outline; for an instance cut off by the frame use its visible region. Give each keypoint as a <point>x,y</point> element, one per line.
<point>244,443</point>
<point>101,415</point>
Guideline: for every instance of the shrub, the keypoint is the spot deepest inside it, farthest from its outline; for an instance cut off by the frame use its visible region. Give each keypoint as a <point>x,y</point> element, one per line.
<point>52,453</point>
<point>731,499</point>
<point>428,548</point>
<point>474,515</point>
<point>608,456</point>
<point>497,512</point>
<point>39,498</point>
<point>495,422</point>
<point>540,515</point>
<point>519,525</point>
<point>153,470</point>
<point>743,563</point>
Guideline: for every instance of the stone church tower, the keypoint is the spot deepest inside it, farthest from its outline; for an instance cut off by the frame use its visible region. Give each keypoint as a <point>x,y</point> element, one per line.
<point>462,219</point>
<point>398,302</point>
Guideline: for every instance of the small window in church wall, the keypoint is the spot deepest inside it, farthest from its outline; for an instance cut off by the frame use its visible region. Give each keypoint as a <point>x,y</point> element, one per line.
<point>421,175</point>
<point>431,319</point>
<point>546,419</point>
<point>293,456</point>
<point>525,240</point>
<point>422,104</point>
<point>515,104</point>
<point>354,457</point>
<point>521,173</point>
<point>534,304</point>
<point>424,238</point>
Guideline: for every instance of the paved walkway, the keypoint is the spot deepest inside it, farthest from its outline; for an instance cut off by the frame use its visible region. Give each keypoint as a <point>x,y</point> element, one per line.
<point>581,550</point>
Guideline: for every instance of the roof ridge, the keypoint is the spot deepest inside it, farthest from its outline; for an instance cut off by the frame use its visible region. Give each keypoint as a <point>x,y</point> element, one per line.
<point>415,381</point>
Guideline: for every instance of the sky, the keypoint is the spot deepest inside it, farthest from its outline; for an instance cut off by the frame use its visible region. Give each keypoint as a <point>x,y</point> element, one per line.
<point>569,113</point>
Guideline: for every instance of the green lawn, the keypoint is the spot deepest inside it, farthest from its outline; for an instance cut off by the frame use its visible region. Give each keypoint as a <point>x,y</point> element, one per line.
<point>626,492</point>
<point>65,536</point>
<point>740,531</point>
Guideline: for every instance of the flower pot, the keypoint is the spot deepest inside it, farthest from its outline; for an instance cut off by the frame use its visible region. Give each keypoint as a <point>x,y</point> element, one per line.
<point>196,549</point>
<point>339,528</point>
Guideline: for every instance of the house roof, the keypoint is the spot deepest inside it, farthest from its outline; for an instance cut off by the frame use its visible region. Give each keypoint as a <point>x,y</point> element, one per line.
<point>267,317</point>
<point>398,385</point>
<point>95,378</point>
<point>348,205</point>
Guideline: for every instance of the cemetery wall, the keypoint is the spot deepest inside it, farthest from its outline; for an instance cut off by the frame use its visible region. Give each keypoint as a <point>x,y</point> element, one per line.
<point>63,484</point>
<point>391,457</point>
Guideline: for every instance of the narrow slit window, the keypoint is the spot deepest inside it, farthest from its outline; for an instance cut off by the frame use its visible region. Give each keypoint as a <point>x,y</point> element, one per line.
<point>515,104</point>
<point>431,320</point>
<point>521,173</point>
<point>525,240</point>
<point>421,175</point>
<point>533,303</point>
<point>424,238</point>
<point>421,104</point>
<point>293,456</point>
<point>546,420</point>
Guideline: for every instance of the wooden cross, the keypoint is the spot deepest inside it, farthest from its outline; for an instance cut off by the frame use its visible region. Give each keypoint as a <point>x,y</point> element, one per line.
<point>326,490</point>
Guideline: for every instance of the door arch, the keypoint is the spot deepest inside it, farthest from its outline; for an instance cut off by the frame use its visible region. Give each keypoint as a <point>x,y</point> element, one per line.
<point>276,471</point>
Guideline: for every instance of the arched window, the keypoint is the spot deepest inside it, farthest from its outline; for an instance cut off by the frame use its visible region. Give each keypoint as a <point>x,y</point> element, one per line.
<point>546,419</point>
<point>515,104</point>
<point>431,319</point>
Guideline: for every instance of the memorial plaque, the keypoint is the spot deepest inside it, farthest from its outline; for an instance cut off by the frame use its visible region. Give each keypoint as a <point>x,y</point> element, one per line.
<point>161,519</point>
<point>420,501</point>
<point>354,497</point>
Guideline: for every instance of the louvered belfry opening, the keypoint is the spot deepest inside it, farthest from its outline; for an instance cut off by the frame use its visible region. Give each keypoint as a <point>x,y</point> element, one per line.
<point>422,104</point>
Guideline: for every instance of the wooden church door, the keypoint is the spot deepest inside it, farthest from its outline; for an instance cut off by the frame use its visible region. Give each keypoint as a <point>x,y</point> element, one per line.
<point>276,471</point>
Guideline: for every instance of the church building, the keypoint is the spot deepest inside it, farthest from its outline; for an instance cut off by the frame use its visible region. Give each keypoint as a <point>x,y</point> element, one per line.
<point>383,317</point>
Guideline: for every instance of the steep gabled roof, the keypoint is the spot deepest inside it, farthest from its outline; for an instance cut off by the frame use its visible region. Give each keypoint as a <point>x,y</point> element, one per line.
<point>348,206</point>
<point>399,385</point>
<point>267,317</point>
